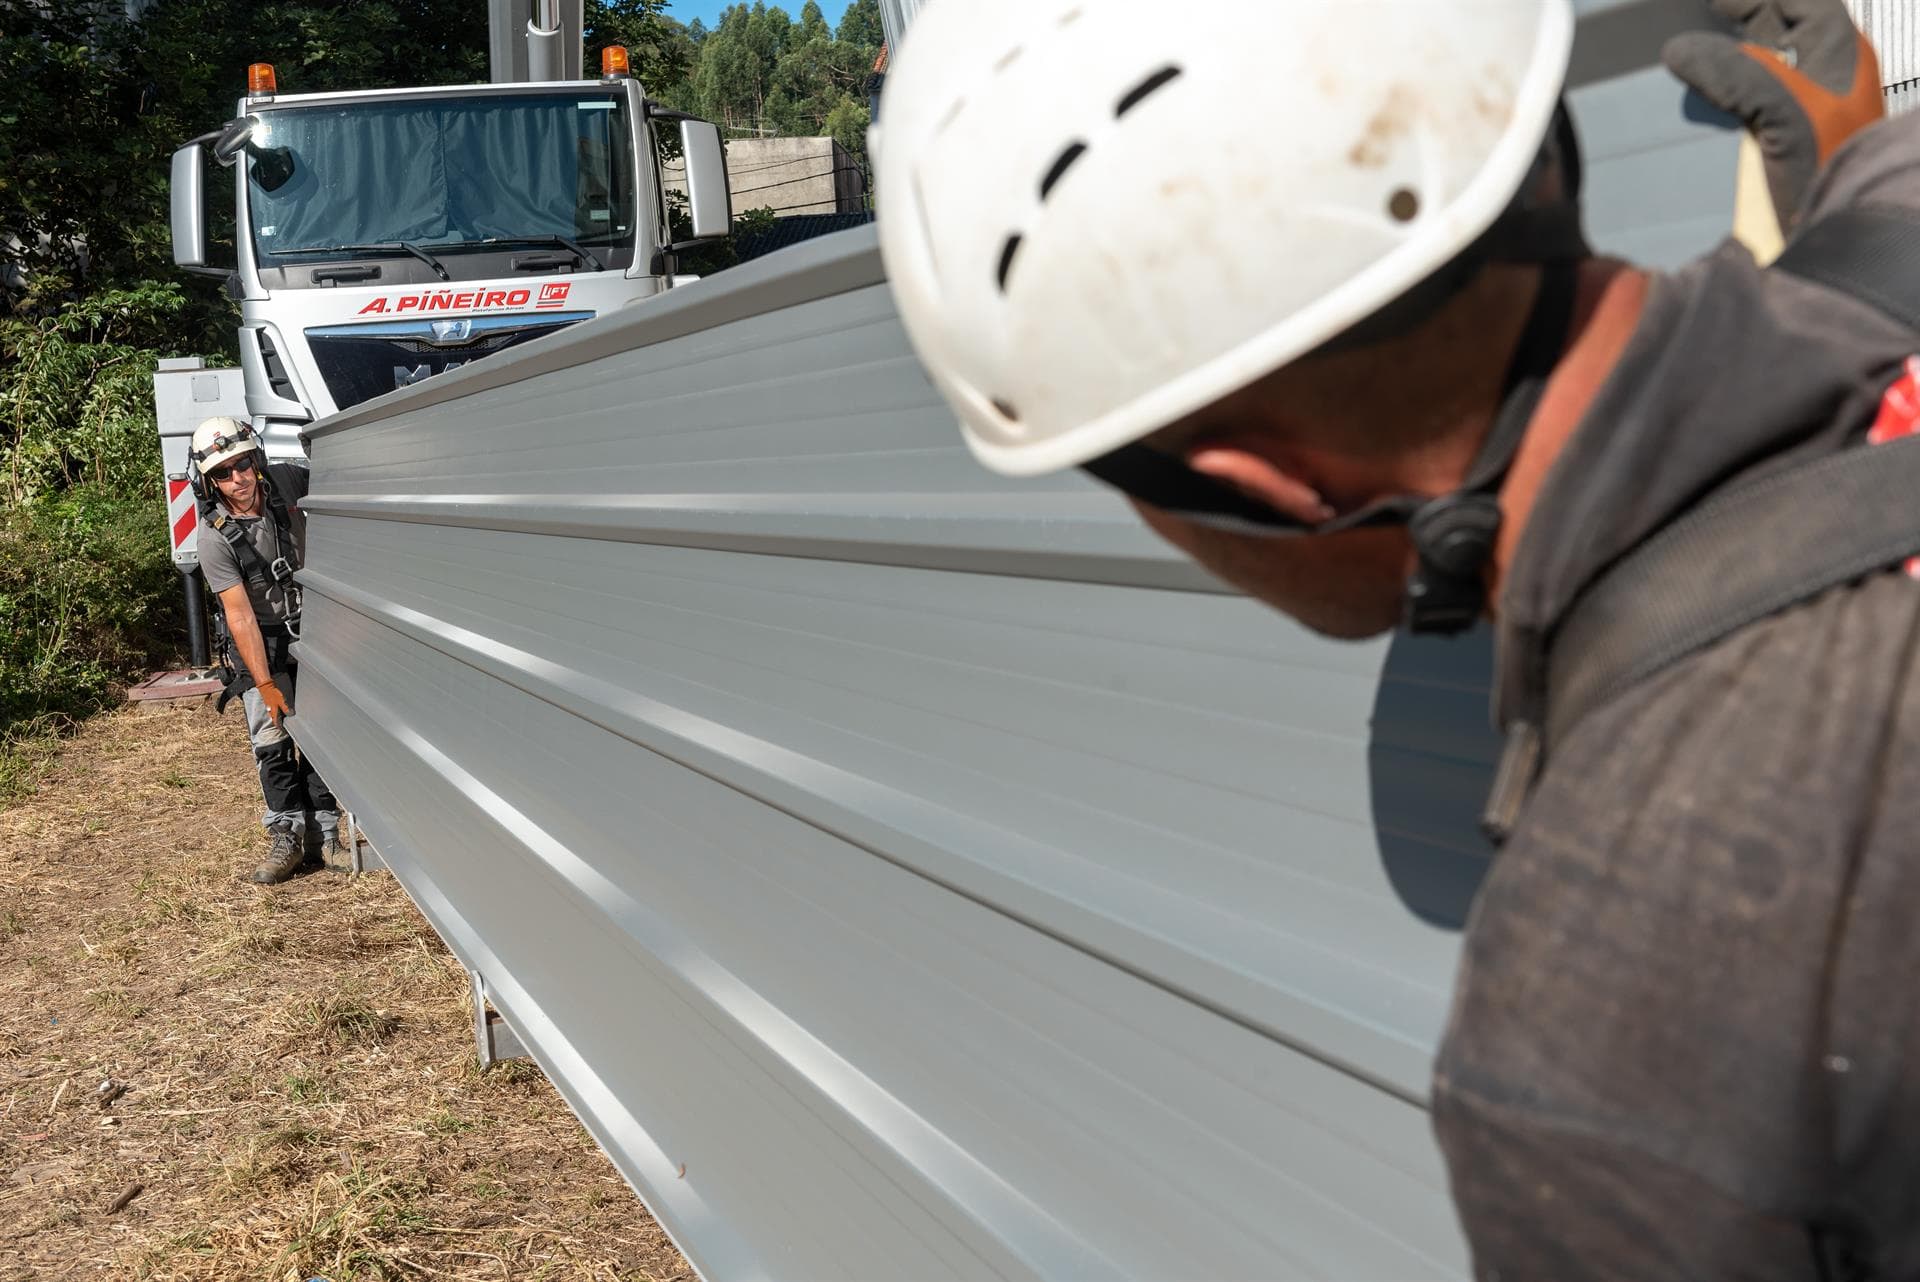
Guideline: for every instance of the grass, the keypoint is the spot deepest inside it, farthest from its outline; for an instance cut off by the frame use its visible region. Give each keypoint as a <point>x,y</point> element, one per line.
<point>117,1004</point>
<point>445,1123</point>
<point>303,1095</point>
<point>305,1088</point>
<point>27,749</point>
<point>165,899</point>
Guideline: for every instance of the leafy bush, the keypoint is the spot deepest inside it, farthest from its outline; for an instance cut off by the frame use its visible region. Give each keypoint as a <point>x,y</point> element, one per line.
<point>89,600</point>
<point>76,391</point>
<point>88,595</point>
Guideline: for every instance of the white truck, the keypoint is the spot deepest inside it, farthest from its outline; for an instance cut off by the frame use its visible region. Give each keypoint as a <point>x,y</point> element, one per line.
<point>384,236</point>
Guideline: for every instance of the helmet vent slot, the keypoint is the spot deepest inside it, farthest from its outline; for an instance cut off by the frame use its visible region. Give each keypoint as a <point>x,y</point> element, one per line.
<point>1132,98</point>
<point>1007,251</point>
<point>1064,161</point>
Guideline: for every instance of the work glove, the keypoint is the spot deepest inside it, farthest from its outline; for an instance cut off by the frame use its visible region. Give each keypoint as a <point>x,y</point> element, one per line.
<point>275,702</point>
<point>1803,81</point>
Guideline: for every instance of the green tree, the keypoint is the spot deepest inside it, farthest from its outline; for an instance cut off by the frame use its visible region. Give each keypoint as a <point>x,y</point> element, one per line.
<point>860,25</point>
<point>660,48</point>
<point>813,23</point>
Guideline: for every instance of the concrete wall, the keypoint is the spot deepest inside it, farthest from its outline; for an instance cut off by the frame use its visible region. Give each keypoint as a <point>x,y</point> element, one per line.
<point>788,175</point>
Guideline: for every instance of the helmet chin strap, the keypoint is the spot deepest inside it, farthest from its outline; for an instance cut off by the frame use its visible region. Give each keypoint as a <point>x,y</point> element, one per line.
<point>1453,534</point>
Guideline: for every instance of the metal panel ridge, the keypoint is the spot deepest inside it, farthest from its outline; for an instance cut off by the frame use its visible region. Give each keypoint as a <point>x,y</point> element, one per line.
<point>814,269</point>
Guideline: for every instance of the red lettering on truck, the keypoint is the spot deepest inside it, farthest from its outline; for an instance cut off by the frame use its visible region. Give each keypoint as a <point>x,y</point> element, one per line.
<point>447,301</point>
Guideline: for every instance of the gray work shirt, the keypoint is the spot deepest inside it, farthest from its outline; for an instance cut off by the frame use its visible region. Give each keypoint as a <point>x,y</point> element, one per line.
<point>1685,1025</point>
<point>222,567</point>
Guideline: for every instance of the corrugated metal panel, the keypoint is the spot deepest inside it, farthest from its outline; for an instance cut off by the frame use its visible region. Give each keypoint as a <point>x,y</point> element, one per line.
<point>960,822</point>
<point>896,16</point>
<point>1894,28</point>
<point>905,872</point>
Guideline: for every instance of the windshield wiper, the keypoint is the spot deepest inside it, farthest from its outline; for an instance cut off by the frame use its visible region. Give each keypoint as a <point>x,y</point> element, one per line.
<point>578,250</point>
<point>379,247</point>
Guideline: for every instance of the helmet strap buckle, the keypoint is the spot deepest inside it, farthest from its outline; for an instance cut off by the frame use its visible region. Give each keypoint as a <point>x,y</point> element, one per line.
<point>1453,538</point>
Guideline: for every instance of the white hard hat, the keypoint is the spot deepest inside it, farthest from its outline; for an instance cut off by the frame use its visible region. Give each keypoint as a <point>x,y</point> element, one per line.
<point>218,439</point>
<point>1098,216</point>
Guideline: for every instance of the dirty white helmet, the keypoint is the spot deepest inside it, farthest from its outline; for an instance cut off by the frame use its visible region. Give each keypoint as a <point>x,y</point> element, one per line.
<point>218,439</point>
<point>1096,220</point>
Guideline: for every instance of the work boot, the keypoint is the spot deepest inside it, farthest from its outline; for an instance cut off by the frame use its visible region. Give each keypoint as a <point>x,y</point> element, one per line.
<point>284,856</point>
<point>333,851</point>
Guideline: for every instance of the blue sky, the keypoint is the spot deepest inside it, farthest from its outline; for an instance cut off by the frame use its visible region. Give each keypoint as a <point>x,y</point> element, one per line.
<point>708,11</point>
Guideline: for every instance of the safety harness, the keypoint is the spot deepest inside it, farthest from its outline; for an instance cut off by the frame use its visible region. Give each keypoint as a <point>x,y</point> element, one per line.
<point>1744,553</point>
<point>279,483</point>
<point>261,574</point>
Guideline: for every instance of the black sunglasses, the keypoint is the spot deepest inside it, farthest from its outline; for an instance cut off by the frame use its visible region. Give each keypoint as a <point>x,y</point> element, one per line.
<point>242,464</point>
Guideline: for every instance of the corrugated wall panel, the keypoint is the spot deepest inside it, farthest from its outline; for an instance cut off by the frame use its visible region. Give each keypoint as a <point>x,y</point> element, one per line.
<point>1894,28</point>
<point>949,877</point>
<point>896,16</point>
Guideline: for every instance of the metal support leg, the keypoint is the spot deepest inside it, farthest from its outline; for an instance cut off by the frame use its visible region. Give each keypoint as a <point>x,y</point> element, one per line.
<point>361,855</point>
<point>493,1038</point>
<point>197,651</point>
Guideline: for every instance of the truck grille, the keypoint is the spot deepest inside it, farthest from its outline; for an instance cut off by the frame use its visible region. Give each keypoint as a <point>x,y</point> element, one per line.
<point>360,362</point>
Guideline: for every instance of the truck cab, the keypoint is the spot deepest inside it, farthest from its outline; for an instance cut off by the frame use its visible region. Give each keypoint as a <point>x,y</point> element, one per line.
<point>385,236</point>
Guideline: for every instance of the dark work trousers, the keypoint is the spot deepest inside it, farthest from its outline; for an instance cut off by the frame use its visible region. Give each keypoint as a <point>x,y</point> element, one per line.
<point>294,792</point>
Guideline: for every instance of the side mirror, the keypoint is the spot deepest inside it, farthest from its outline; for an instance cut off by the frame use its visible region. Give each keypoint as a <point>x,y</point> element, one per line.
<point>709,201</point>
<point>189,212</point>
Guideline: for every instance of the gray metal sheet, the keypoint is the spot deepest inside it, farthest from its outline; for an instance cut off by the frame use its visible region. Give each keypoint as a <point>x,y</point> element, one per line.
<point>1894,28</point>
<point>903,871</point>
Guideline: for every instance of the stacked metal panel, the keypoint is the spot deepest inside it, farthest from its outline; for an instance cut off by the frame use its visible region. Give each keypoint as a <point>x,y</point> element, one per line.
<point>905,872</point>
<point>1894,28</point>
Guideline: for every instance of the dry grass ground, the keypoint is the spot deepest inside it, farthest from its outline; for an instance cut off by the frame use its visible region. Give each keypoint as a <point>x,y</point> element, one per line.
<point>301,1092</point>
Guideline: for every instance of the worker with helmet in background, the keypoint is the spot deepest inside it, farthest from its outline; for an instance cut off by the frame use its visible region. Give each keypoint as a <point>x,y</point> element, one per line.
<point>1306,280</point>
<point>252,537</point>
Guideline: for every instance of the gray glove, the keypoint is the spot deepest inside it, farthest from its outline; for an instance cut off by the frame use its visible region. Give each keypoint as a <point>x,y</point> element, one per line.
<point>1803,82</point>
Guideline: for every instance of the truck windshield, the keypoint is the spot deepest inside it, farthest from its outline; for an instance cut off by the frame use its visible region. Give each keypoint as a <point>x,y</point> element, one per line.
<point>443,173</point>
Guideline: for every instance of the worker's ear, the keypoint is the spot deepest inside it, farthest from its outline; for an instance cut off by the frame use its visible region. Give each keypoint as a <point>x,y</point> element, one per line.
<point>1260,478</point>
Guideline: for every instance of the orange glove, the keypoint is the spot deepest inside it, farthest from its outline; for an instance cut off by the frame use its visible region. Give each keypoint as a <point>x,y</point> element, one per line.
<point>1803,82</point>
<point>276,703</point>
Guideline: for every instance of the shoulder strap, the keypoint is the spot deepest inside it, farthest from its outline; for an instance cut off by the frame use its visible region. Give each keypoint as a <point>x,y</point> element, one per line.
<point>1744,553</point>
<point>260,576</point>
<point>1869,251</point>
<point>1741,556</point>
<point>253,567</point>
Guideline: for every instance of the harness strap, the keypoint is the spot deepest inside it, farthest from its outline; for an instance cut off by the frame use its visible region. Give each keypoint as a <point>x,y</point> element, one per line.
<point>261,575</point>
<point>1739,556</point>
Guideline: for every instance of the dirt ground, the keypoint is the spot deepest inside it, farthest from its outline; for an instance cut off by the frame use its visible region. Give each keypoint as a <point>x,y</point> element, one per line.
<point>301,1095</point>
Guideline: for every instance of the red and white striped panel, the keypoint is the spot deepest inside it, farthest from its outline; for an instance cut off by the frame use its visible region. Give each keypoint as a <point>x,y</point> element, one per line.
<point>182,516</point>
